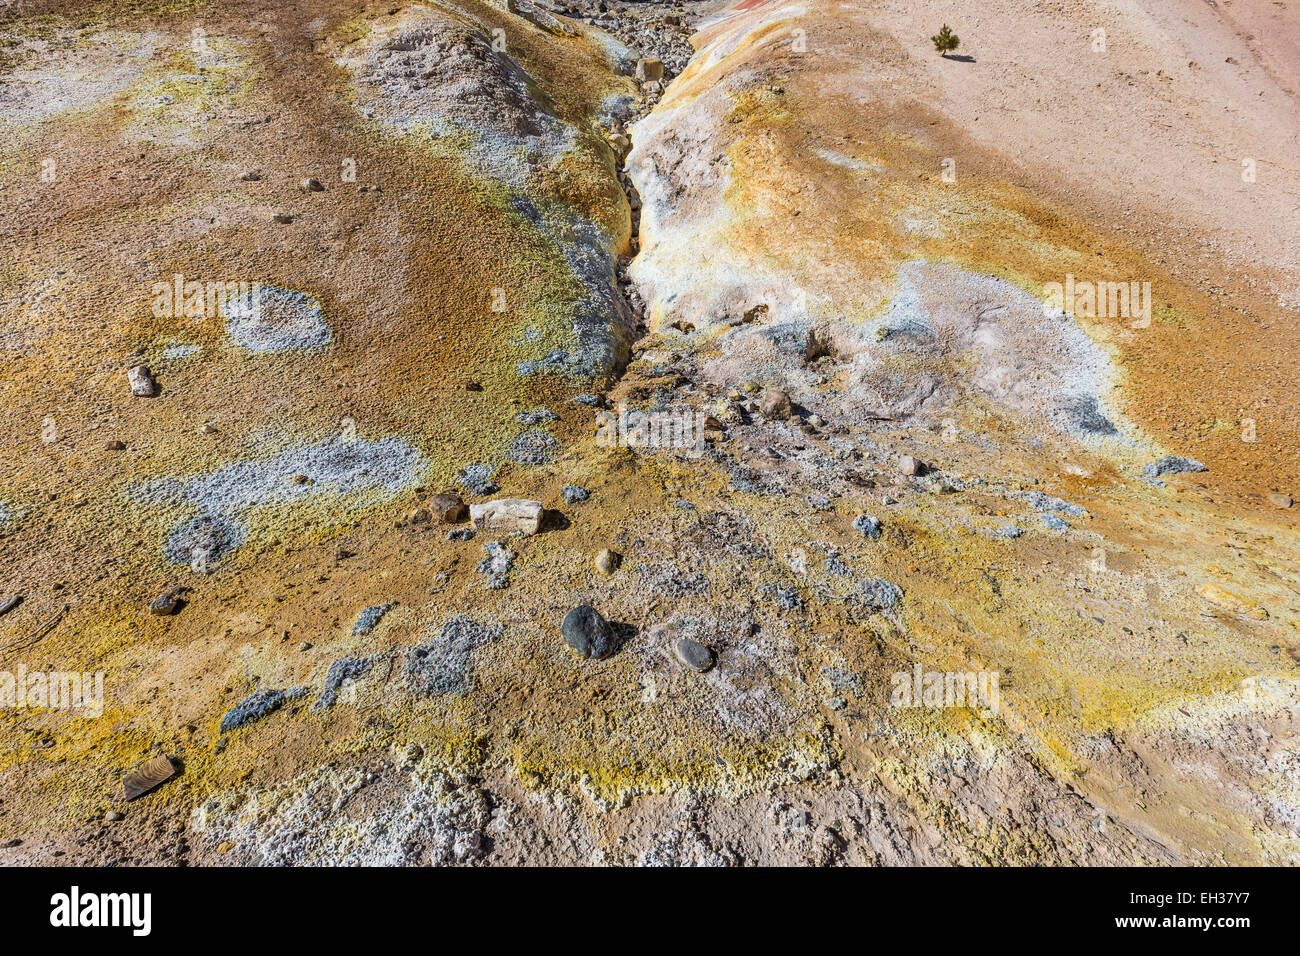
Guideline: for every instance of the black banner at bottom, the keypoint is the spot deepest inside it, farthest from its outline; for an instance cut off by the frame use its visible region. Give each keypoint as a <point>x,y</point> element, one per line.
<point>336,906</point>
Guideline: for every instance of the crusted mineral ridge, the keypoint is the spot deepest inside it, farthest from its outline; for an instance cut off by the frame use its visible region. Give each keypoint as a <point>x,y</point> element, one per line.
<point>437,76</point>
<point>256,706</point>
<point>601,319</point>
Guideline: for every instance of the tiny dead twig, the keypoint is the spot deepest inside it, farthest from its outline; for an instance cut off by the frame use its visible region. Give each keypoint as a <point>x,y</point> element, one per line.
<point>39,633</point>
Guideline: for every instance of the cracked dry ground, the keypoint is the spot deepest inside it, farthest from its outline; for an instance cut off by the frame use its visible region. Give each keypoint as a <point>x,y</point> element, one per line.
<point>477,234</point>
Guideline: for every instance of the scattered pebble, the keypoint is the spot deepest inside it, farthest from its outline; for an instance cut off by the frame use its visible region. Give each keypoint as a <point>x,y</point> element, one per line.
<point>447,508</point>
<point>607,561</point>
<point>695,655</point>
<point>508,514</point>
<point>909,465</point>
<point>148,776</point>
<point>649,70</point>
<point>572,494</point>
<point>775,404</point>
<point>141,381</point>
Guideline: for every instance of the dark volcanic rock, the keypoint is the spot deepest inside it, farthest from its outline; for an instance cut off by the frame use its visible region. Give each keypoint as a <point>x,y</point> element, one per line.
<point>167,603</point>
<point>572,494</point>
<point>588,633</point>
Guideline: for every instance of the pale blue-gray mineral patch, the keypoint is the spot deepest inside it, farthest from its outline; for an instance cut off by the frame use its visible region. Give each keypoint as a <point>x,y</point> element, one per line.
<point>369,618</point>
<point>256,706</point>
<point>443,665</point>
<point>203,540</point>
<point>270,319</point>
<point>341,671</point>
<point>1173,465</point>
<point>336,466</point>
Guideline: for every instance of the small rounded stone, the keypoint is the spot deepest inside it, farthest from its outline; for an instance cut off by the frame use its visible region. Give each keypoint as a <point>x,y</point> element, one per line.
<point>695,655</point>
<point>165,604</point>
